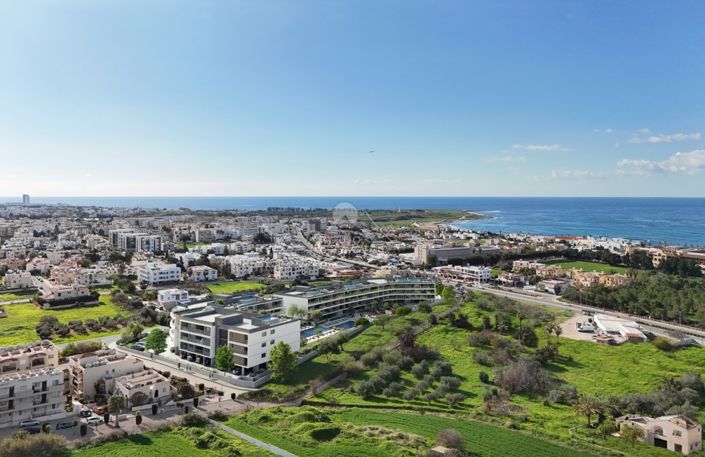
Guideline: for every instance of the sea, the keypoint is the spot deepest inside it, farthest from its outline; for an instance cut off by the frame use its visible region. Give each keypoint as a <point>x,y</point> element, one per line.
<point>657,221</point>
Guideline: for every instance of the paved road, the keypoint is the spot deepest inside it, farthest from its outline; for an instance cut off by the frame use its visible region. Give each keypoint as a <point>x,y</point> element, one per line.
<point>255,441</point>
<point>651,325</point>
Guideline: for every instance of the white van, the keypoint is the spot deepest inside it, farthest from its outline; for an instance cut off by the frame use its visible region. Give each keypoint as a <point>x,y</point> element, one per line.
<point>29,423</point>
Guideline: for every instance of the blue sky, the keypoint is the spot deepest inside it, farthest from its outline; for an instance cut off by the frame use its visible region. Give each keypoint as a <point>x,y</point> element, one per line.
<point>352,98</point>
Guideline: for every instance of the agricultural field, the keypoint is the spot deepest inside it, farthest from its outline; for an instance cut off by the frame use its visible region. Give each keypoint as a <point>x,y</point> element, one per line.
<point>22,318</point>
<point>231,287</point>
<point>588,266</point>
<point>167,443</point>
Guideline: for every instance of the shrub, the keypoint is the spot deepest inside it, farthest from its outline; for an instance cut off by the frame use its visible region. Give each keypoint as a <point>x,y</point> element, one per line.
<point>441,368</point>
<point>411,394</point>
<point>350,367</point>
<point>484,377</point>
<point>402,310</point>
<point>193,420</point>
<point>371,357</point>
<point>420,369</point>
<point>483,358</point>
<point>527,376</point>
<point>365,389</point>
<point>483,338</point>
<point>454,399</point>
<point>451,438</point>
<point>450,382</point>
<point>44,444</point>
<point>362,321</point>
<point>389,374</point>
<point>393,390</point>
<point>217,415</point>
<point>564,394</point>
<point>325,434</point>
<point>662,343</point>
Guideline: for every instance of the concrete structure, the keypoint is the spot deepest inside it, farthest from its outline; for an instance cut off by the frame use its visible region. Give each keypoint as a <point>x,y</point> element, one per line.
<point>154,273</point>
<point>25,199</point>
<point>472,274</point>
<point>51,291</point>
<point>675,433</point>
<point>143,387</point>
<point>626,328</point>
<point>200,273</point>
<point>338,299</point>
<point>198,330</point>
<point>94,373</point>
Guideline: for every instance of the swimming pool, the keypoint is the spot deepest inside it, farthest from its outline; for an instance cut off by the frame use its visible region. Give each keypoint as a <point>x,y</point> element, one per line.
<point>322,328</point>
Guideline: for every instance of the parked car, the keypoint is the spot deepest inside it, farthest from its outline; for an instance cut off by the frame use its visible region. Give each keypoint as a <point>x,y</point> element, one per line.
<point>29,423</point>
<point>100,410</point>
<point>85,413</point>
<point>138,346</point>
<point>95,420</point>
<point>65,425</point>
<point>33,430</point>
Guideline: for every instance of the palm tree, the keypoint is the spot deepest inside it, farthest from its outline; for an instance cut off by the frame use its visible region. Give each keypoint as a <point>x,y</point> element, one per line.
<point>588,407</point>
<point>115,404</point>
<point>558,331</point>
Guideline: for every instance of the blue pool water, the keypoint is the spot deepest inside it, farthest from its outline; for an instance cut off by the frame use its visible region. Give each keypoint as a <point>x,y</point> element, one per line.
<point>323,328</point>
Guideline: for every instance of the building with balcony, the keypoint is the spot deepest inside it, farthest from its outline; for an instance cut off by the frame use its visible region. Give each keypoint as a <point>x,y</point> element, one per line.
<point>199,330</point>
<point>143,387</point>
<point>172,297</point>
<point>472,274</point>
<point>94,373</point>
<point>154,273</point>
<point>31,394</point>
<point>200,273</point>
<point>19,280</point>
<point>347,297</point>
<point>28,357</point>
<point>675,433</point>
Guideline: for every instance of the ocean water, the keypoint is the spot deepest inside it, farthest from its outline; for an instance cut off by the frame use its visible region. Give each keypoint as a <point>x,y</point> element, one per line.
<point>679,221</point>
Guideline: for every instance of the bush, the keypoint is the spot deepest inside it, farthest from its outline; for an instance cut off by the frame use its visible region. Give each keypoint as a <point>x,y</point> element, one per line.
<point>662,343</point>
<point>483,338</point>
<point>325,434</point>
<point>365,389</point>
<point>451,438</point>
<point>371,357</point>
<point>362,321</point>
<point>217,415</point>
<point>484,377</point>
<point>393,390</point>
<point>454,399</point>
<point>43,444</point>
<point>483,358</point>
<point>402,310</point>
<point>420,369</point>
<point>524,376</point>
<point>389,374</point>
<point>351,367</point>
<point>441,368</point>
<point>193,420</point>
<point>411,394</point>
<point>450,382</point>
<point>564,394</point>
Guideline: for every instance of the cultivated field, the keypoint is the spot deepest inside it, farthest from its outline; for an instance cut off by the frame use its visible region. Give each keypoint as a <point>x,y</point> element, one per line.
<point>227,288</point>
<point>588,266</point>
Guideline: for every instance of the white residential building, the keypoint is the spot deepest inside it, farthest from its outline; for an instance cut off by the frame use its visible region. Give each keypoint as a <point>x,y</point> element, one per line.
<point>200,273</point>
<point>154,273</point>
<point>290,267</point>
<point>465,274</point>
<point>19,280</point>
<point>675,433</point>
<point>197,332</point>
<point>172,297</point>
<point>143,387</point>
<point>95,372</point>
<point>246,265</point>
<point>31,394</point>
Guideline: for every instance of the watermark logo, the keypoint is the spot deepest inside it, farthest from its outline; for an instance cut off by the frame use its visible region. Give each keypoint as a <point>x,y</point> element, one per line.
<point>345,213</point>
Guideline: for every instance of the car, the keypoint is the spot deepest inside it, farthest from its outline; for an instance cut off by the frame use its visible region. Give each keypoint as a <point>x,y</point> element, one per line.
<point>100,410</point>
<point>65,425</point>
<point>95,420</point>
<point>33,430</point>
<point>138,346</point>
<point>29,423</point>
<point>85,413</point>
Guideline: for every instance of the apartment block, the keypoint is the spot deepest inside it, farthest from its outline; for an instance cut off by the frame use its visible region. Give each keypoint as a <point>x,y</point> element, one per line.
<point>154,273</point>
<point>94,373</point>
<point>30,394</point>
<point>143,387</point>
<point>197,332</point>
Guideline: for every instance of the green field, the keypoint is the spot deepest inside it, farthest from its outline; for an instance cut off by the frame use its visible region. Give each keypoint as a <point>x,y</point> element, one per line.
<point>15,296</point>
<point>588,266</point>
<point>385,433</point>
<point>18,326</point>
<point>227,288</point>
<point>594,370</point>
<point>164,443</point>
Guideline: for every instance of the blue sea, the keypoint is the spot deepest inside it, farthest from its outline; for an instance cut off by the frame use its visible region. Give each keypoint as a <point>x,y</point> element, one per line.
<point>675,221</point>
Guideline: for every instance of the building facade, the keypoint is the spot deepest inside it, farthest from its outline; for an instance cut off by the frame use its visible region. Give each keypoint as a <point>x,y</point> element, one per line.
<point>154,273</point>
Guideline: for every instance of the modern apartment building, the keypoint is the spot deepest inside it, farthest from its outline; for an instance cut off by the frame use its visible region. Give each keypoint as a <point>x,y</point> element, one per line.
<point>19,280</point>
<point>172,297</point>
<point>28,357</point>
<point>154,273</point>
<point>130,240</point>
<point>200,273</point>
<point>94,373</point>
<point>338,299</point>
<point>471,274</point>
<point>198,330</point>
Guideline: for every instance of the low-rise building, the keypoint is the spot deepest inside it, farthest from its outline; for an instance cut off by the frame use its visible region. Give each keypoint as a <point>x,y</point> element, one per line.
<point>94,373</point>
<point>172,297</point>
<point>31,356</point>
<point>143,387</point>
<point>31,394</point>
<point>472,274</point>
<point>200,273</point>
<point>675,433</point>
<point>19,280</point>
<point>154,273</point>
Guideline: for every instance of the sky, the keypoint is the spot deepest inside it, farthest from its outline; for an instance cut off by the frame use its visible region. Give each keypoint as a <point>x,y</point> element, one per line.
<point>352,98</point>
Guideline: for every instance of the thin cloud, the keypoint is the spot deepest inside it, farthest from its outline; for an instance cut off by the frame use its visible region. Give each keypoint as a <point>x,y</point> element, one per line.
<point>689,163</point>
<point>506,159</point>
<point>645,136</point>
<point>541,147</point>
<point>578,174</point>
<point>602,130</point>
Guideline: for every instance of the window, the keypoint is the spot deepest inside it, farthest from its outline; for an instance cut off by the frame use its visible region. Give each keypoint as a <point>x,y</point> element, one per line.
<point>264,333</point>
<point>271,342</point>
<point>264,355</point>
<point>264,345</point>
<point>676,433</point>
<point>271,332</point>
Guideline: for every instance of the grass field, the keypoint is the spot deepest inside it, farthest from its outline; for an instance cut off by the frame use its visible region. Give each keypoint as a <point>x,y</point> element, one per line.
<point>227,288</point>
<point>588,266</point>
<point>594,369</point>
<point>18,326</point>
<point>15,296</point>
<point>384,433</point>
<point>165,443</point>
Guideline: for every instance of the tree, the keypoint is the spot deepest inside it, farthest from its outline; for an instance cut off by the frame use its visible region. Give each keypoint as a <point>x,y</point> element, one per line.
<point>131,333</point>
<point>282,361</point>
<point>588,407</point>
<point>382,320</point>
<point>451,438</point>
<point>406,337</point>
<point>631,433</point>
<point>156,341</point>
<point>138,418</point>
<point>115,404</point>
<point>224,358</point>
